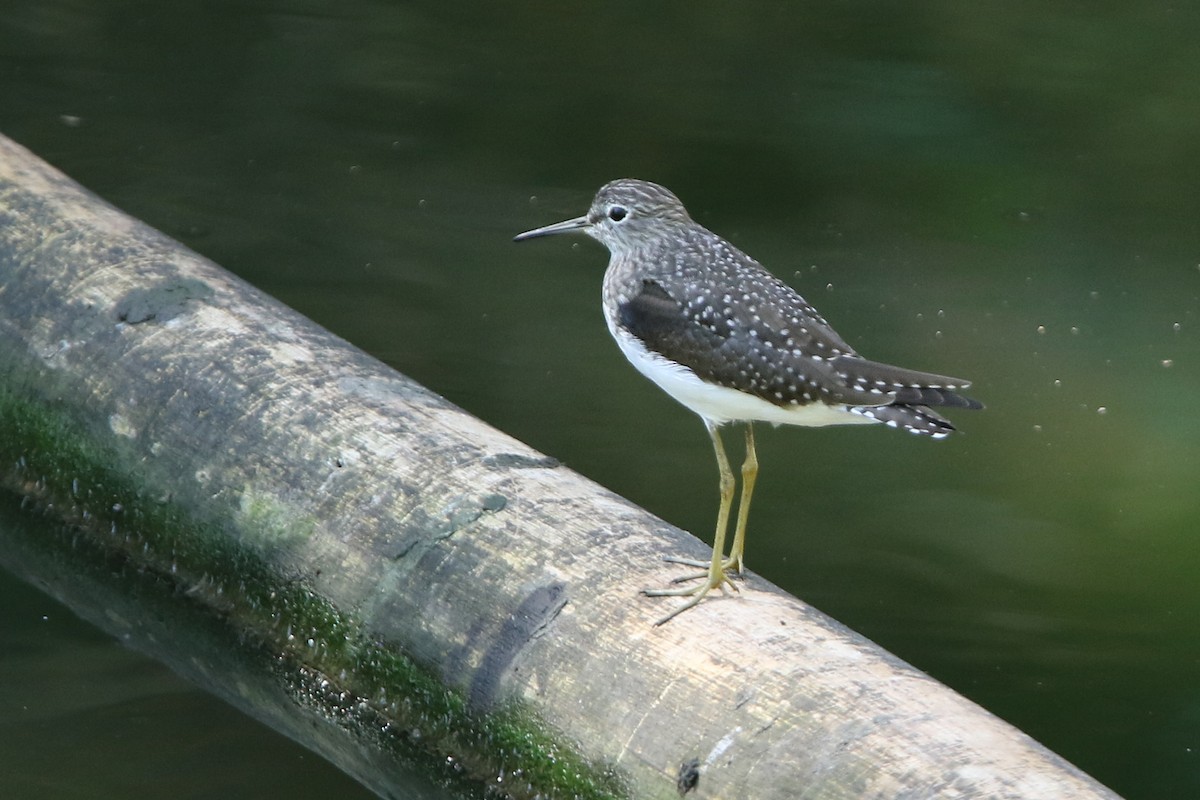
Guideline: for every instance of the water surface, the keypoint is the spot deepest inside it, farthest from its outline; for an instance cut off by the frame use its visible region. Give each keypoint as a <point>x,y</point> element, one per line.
<point>1005,192</point>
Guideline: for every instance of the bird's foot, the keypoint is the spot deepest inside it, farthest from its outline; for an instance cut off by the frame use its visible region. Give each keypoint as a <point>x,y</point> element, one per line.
<point>729,565</point>
<point>715,577</point>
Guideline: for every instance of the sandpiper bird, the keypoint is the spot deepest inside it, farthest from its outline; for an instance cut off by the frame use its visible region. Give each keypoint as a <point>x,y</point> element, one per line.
<point>733,343</point>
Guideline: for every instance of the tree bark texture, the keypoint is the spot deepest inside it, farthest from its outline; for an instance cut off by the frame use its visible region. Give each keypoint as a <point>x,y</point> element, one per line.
<point>349,557</point>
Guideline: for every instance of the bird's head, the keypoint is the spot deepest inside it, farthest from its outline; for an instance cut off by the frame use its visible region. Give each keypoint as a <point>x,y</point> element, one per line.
<point>625,215</point>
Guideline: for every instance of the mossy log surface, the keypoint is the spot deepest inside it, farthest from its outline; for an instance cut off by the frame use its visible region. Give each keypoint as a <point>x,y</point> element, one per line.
<point>349,557</point>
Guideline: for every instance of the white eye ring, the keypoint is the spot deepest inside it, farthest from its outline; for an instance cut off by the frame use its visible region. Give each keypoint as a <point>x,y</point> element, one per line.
<point>617,213</point>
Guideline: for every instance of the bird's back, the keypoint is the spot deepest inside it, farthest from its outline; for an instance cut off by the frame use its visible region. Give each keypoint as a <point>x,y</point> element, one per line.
<point>697,301</point>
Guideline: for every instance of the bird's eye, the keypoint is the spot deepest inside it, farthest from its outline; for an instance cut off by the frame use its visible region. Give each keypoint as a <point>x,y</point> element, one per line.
<point>617,213</point>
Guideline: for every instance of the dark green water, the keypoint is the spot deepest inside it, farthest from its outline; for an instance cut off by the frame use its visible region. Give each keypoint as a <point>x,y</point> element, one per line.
<point>1003,191</point>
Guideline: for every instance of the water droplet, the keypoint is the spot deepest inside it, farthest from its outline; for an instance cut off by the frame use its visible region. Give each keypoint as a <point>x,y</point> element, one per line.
<point>1168,363</point>
<point>1074,331</point>
<point>1041,329</point>
<point>1057,383</point>
<point>1102,410</point>
<point>1176,327</point>
<point>1037,428</point>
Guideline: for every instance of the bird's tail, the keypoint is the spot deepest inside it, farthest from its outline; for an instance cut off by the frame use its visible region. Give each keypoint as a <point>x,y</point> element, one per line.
<point>920,420</point>
<point>905,386</point>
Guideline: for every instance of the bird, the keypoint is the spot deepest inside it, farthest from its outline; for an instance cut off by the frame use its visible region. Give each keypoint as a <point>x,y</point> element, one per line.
<point>735,344</point>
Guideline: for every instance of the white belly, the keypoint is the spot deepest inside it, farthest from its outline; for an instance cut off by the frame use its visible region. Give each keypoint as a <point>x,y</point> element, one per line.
<point>719,404</point>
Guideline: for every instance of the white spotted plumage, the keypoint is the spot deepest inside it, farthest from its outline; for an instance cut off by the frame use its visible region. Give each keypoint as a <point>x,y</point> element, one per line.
<point>716,331</point>
<point>761,353</point>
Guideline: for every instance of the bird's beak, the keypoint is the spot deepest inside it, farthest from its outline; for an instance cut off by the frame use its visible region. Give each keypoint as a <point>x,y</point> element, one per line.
<point>567,226</point>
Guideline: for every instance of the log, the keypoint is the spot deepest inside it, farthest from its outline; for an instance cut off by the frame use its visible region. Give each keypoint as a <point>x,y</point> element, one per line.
<point>347,556</point>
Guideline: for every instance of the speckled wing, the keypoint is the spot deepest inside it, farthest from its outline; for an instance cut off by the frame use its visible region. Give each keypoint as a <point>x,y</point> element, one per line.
<point>789,356</point>
<point>738,350</point>
<point>905,386</point>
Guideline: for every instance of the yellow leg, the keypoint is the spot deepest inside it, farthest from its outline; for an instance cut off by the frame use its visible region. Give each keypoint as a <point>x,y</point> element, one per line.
<point>735,561</point>
<point>716,576</point>
<point>749,476</point>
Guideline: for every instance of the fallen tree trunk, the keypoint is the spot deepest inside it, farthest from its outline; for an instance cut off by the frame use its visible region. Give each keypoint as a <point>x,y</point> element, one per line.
<point>367,568</point>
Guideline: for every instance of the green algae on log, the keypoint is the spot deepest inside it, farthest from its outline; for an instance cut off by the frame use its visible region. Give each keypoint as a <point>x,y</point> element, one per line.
<point>350,558</point>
